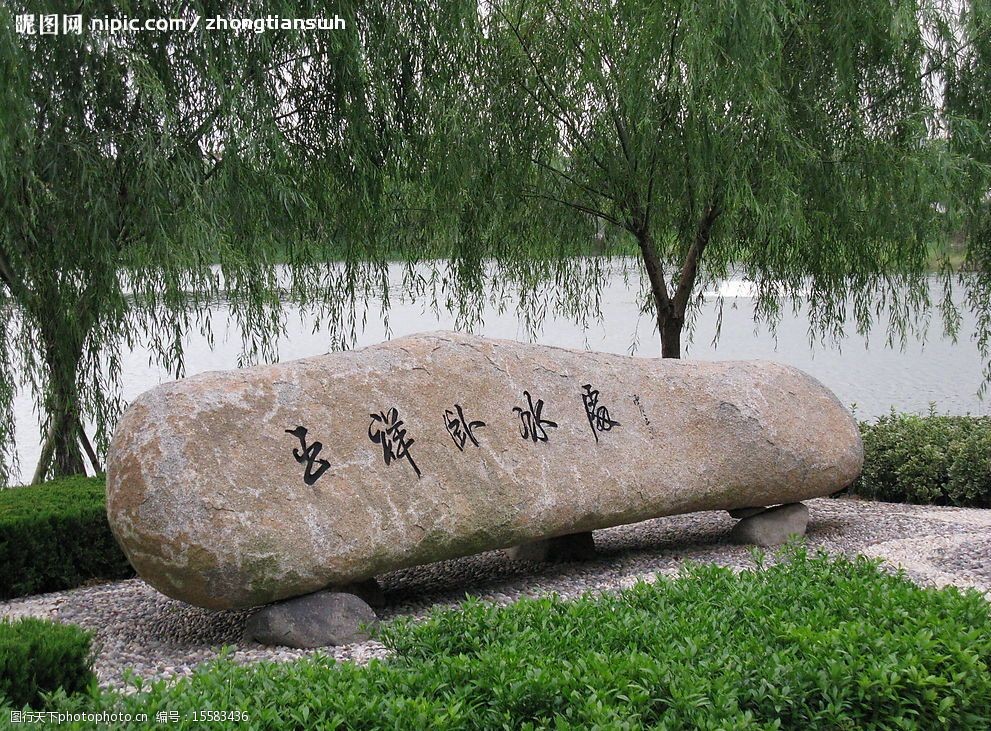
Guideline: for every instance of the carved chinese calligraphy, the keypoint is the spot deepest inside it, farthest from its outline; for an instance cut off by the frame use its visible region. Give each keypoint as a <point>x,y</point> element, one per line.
<point>308,456</point>
<point>387,429</point>
<point>460,428</point>
<point>598,416</point>
<point>532,425</point>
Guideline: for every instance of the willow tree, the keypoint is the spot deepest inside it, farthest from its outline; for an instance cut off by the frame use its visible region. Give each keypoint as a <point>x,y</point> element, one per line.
<point>803,145</point>
<point>968,128</point>
<point>146,175</point>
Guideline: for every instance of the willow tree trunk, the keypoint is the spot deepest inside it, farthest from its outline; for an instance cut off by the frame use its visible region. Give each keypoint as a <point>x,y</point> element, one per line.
<point>670,327</point>
<point>67,458</point>
<point>61,455</point>
<point>669,322</point>
<point>672,306</point>
<point>61,450</point>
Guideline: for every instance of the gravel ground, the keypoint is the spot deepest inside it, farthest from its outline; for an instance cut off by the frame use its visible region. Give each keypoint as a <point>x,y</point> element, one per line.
<point>139,629</point>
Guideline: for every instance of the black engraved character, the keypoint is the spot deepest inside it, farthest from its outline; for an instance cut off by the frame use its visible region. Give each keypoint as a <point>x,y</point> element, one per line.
<point>386,429</point>
<point>598,416</point>
<point>308,456</point>
<point>460,428</point>
<point>636,400</point>
<point>531,423</point>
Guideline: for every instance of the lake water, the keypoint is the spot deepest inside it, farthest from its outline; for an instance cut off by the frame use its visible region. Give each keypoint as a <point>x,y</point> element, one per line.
<point>875,378</point>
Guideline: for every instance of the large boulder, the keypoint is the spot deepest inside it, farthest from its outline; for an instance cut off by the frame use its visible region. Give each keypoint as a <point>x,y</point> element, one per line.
<point>239,488</point>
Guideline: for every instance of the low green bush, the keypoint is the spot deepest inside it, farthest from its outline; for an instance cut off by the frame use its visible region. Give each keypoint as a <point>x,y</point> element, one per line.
<point>810,643</point>
<point>56,536</point>
<point>939,460</point>
<point>38,656</point>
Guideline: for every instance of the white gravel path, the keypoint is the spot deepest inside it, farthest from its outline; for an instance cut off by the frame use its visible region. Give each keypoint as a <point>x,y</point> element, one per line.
<point>156,637</point>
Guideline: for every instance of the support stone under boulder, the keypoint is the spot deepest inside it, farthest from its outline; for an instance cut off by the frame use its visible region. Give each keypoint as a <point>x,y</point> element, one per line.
<point>572,547</point>
<point>773,526</point>
<point>329,617</point>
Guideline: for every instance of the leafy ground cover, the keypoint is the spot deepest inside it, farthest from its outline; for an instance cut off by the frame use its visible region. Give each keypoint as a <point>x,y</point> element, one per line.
<point>811,642</point>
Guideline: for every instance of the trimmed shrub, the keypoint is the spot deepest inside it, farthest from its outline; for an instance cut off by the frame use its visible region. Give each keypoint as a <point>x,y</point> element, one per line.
<point>37,656</point>
<point>811,643</point>
<point>939,460</point>
<point>56,536</point>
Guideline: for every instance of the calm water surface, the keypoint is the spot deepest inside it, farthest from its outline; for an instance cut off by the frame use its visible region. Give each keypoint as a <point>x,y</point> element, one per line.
<point>875,378</point>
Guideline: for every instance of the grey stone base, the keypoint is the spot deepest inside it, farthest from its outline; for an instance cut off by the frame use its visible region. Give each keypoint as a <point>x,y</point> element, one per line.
<point>328,617</point>
<point>772,527</point>
<point>572,547</point>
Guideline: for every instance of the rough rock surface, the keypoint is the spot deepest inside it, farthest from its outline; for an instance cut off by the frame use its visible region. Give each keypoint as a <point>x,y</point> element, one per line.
<point>772,527</point>
<point>315,620</point>
<point>239,488</point>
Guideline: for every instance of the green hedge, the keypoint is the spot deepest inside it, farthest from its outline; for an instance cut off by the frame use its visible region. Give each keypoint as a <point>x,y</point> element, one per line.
<point>56,536</point>
<point>38,656</point>
<point>811,643</point>
<point>940,460</point>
